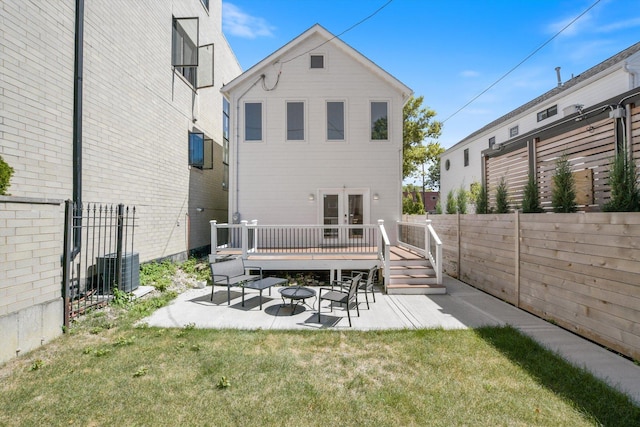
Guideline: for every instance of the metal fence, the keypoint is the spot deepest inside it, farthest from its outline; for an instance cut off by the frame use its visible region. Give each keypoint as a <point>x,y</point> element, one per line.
<point>98,255</point>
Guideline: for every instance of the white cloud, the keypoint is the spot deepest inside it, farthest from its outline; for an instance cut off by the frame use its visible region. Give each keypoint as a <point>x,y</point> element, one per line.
<point>469,73</point>
<point>620,25</point>
<point>240,24</point>
<point>584,23</point>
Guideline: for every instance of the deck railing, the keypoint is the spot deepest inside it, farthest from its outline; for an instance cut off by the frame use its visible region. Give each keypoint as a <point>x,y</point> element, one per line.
<point>250,238</point>
<point>422,238</point>
<point>384,253</point>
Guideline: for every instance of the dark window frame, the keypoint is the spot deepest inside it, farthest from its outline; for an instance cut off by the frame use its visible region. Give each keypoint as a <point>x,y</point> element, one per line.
<point>194,62</point>
<point>379,126</point>
<point>466,157</point>
<point>297,133</point>
<point>335,121</point>
<point>316,61</point>
<point>200,150</point>
<point>544,114</point>
<point>249,133</point>
<point>514,131</point>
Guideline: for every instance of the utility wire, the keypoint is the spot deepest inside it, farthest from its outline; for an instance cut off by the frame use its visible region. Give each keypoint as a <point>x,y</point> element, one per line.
<point>344,32</point>
<point>523,61</point>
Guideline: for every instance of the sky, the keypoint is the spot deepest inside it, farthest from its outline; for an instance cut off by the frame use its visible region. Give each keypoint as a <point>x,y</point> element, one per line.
<point>450,51</point>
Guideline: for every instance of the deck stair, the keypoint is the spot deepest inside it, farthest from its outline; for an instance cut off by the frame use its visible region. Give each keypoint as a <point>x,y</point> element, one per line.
<point>411,274</point>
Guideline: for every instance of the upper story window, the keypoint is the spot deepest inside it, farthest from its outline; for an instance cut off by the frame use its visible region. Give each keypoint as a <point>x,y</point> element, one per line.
<point>205,3</point>
<point>551,111</point>
<point>253,121</point>
<point>225,124</point>
<point>335,121</point>
<point>492,141</point>
<point>513,131</point>
<point>194,62</point>
<point>379,122</point>
<point>317,61</point>
<point>295,121</point>
<point>466,157</point>
<point>200,151</point>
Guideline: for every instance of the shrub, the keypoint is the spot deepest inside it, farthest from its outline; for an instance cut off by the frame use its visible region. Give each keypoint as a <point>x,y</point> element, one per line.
<point>451,207</point>
<point>502,197</point>
<point>438,207</point>
<point>461,201</point>
<point>531,197</point>
<point>5,176</point>
<point>623,180</point>
<point>563,196</point>
<point>482,200</point>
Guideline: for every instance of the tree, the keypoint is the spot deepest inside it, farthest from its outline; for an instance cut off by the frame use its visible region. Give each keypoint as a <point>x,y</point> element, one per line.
<point>451,206</point>
<point>482,200</point>
<point>461,200</point>
<point>502,197</point>
<point>531,197</point>
<point>5,176</point>
<point>563,195</point>
<point>418,125</point>
<point>411,206</point>
<point>623,180</point>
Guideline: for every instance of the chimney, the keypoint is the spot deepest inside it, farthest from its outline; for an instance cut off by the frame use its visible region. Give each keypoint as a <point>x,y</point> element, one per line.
<point>559,78</point>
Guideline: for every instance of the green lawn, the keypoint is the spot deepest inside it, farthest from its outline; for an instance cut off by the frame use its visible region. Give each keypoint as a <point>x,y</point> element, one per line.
<point>153,377</point>
<point>108,372</point>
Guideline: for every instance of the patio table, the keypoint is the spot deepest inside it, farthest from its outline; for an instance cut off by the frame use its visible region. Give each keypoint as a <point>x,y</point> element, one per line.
<point>262,284</point>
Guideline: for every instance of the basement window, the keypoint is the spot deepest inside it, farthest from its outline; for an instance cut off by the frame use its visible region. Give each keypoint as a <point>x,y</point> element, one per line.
<point>200,151</point>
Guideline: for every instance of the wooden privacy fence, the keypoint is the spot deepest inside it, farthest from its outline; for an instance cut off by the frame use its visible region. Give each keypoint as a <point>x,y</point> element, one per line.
<point>590,150</point>
<point>580,270</point>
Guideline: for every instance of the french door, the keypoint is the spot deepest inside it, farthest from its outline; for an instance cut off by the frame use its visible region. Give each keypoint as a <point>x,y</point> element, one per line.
<point>343,207</point>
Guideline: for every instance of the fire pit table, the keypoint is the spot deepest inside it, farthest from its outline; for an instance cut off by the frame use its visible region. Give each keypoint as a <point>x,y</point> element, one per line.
<point>297,295</point>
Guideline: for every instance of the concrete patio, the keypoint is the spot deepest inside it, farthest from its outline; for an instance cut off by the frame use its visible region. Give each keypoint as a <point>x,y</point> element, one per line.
<point>462,307</point>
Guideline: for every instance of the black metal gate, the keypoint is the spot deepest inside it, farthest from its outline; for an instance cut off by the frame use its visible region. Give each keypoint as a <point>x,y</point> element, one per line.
<point>98,256</point>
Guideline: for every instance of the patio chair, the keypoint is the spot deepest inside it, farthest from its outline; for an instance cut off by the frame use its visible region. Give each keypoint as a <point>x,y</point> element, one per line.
<point>231,272</point>
<point>343,295</point>
<point>367,282</point>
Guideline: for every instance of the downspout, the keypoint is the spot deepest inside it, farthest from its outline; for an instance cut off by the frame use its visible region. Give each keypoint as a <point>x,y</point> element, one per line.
<point>236,215</point>
<point>77,126</point>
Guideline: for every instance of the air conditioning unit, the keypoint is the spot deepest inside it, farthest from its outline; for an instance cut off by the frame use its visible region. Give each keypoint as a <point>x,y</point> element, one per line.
<point>107,273</point>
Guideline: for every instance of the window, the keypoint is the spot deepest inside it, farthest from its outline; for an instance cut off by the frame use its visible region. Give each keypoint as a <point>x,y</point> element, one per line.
<point>492,141</point>
<point>225,143</point>
<point>513,131</point>
<point>447,164</point>
<point>200,151</point>
<point>551,111</point>
<point>317,61</point>
<point>205,3</point>
<point>187,57</point>
<point>295,121</point>
<point>335,121</point>
<point>379,123</point>
<point>253,121</point>
<point>466,157</point>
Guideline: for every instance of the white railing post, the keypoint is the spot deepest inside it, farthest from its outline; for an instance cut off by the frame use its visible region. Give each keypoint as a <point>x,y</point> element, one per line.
<point>427,239</point>
<point>254,224</point>
<point>214,237</point>
<point>245,238</point>
<point>387,254</point>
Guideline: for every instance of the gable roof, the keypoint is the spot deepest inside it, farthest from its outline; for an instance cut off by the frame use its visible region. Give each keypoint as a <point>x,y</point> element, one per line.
<point>284,55</point>
<point>591,72</point>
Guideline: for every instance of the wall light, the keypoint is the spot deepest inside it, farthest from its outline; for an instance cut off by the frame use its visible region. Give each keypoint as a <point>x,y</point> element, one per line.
<point>200,209</point>
<point>312,197</point>
<point>376,196</point>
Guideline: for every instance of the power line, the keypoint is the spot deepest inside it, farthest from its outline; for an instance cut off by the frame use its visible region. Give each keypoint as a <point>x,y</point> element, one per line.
<point>523,61</point>
<point>344,32</point>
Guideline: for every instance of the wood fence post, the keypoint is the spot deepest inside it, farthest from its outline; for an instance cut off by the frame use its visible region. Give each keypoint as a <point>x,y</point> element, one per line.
<point>517,256</point>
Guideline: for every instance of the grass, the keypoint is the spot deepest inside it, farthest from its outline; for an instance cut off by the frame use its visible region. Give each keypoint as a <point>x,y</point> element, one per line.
<point>109,371</point>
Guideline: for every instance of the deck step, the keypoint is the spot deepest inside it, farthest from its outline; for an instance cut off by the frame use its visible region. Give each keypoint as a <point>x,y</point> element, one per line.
<point>410,289</point>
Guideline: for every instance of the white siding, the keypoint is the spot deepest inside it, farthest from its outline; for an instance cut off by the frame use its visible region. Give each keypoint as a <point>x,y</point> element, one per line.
<point>276,176</point>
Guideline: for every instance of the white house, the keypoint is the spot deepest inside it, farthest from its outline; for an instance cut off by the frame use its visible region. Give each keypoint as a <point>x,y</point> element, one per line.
<point>577,112</point>
<point>316,136</point>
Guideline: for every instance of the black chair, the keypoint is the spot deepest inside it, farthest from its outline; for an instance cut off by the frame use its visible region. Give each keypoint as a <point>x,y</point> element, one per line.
<point>367,282</point>
<point>343,295</point>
